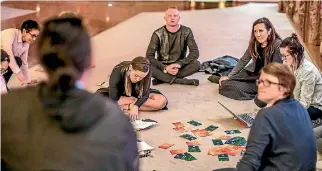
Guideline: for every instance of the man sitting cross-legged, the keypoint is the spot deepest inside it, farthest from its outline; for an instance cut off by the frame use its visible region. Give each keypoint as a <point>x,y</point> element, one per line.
<point>170,42</point>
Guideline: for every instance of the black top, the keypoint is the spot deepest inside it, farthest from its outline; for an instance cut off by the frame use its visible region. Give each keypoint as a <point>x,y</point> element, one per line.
<point>77,132</point>
<point>281,138</point>
<point>172,47</point>
<point>117,87</point>
<point>260,62</point>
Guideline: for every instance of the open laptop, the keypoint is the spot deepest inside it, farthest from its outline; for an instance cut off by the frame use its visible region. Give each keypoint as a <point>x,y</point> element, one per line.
<point>245,119</point>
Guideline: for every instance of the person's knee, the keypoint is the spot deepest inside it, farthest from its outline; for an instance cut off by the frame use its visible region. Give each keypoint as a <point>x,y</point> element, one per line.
<point>196,65</point>
<point>161,101</point>
<point>19,61</point>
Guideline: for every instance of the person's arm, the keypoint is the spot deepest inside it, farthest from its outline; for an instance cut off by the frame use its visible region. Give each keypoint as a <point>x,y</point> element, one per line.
<point>259,137</point>
<point>7,38</point>
<point>143,99</point>
<point>307,83</point>
<point>277,57</point>
<point>193,50</point>
<point>24,66</point>
<point>150,53</point>
<point>242,62</point>
<point>114,80</point>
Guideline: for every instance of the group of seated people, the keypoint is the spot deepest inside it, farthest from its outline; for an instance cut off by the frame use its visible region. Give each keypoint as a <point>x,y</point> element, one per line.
<point>58,125</point>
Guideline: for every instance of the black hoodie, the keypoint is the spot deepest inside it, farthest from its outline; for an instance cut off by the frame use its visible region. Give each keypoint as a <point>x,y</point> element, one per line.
<point>75,132</point>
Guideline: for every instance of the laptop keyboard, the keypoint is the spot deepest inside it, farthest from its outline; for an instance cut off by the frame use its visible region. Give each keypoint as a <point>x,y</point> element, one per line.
<point>247,117</point>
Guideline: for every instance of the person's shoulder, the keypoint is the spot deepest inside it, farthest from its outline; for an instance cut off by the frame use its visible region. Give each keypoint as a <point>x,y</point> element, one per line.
<point>20,94</point>
<point>185,28</point>
<point>159,29</point>
<point>307,69</point>
<point>277,43</point>
<point>12,31</point>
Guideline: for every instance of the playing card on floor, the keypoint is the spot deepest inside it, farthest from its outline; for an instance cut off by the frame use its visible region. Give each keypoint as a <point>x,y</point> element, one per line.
<point>194,149</point>
<point>181,130</point>
<point>223,157</point>
<point>233,132</point>
<point>178,124</point>
<point>217,142</point>
<point>211,128</point>
<point>195,123</point>
<point>166,146</point>
<point>177,151</point>
<point>191,143</point>
<point>188,137</point>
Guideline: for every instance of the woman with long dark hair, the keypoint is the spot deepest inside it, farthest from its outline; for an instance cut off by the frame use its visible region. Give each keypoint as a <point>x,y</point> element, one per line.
<point>263,49</point>
<point>129,85</point>
<point>57,125</point>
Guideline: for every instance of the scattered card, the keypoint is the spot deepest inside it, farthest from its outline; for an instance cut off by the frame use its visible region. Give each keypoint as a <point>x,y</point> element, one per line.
<point>201,132</point>
<point>211,128</point>
<point>188,157</point>
<point>194,149</point>
<point>178,151</point>
<point>181,130</point>
<point>179,156</point>
<point>195,123</point>
<point>191,143</point>
<point>166,146</point>
<point>185,156</point>
<point>238,141</point>
<point>217,142</point>
<point>188,137</point>
<point>178,124</point>
<point>223,157</point>
<point>225,137</point>
<point>233,132</point>
<point>225,149</point>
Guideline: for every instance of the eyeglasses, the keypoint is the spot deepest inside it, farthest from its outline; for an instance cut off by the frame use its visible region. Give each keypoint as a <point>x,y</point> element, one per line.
<point>266,83</point>
<point>285,56</point>
<point>33,36</point>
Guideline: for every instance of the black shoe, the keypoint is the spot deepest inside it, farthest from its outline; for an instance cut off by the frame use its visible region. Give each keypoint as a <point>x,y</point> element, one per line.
<point>156,82</point>
<point>214,79</point>
<point>185,81</point>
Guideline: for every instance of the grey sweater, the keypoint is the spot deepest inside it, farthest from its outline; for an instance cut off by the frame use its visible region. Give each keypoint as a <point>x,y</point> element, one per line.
<point>281,138</point>
<point>244,60</point>
<point>172,47</point>
<point>76,132</point>
<point>308,89</point>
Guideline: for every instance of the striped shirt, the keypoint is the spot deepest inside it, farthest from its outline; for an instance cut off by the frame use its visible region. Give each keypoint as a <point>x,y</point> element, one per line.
<point>308,89</point>
<point>11,42</point>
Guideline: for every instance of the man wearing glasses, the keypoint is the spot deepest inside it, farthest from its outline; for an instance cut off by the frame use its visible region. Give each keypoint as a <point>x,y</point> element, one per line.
<point>16,43</point>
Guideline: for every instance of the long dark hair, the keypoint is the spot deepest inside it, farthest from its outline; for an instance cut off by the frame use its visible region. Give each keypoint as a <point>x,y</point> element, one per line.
<point>296,50</point>
<point>64,49</point>
<point>271,39</point>
<point>140,64</point>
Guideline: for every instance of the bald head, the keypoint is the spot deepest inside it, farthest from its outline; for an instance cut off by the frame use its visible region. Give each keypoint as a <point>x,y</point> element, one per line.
<point>172,16</point>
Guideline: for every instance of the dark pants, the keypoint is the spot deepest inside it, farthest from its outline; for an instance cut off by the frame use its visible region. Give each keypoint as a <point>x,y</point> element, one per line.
<point>185,71</point>
<point>8,74</point>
